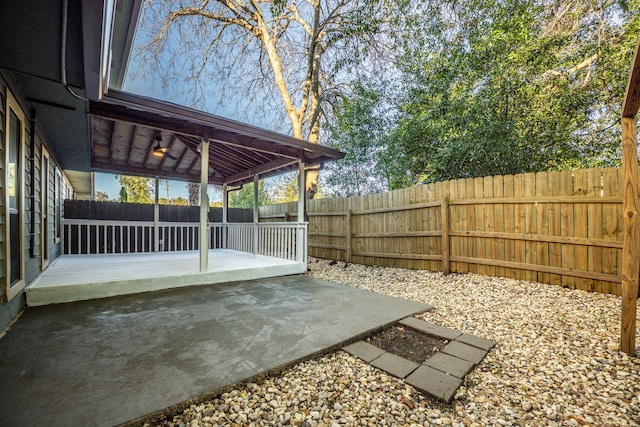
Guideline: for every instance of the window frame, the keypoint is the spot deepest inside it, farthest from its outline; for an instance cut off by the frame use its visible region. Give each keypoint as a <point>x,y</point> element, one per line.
<point>9,290</point>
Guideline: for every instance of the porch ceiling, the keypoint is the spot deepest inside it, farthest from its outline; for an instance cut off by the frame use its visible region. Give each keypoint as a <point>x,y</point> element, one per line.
<point>125,127</point>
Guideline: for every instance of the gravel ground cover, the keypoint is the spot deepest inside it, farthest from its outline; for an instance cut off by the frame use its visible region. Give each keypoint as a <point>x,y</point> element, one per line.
<point>556,363</point>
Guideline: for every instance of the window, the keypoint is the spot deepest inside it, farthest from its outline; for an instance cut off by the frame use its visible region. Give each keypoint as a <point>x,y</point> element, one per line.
<point>14,203</point>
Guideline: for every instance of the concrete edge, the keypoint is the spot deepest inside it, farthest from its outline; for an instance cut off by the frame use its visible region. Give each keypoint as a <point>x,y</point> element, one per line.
<point>36,296</point>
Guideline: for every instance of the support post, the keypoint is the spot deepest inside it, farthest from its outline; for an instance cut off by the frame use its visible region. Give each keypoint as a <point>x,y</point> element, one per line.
<point>349,231</point>
<point>256,214</point>
<point>631,235</point>
<point>225,213</point>
<point>301,233</point>
<point>204,205</point>
<point>446,264</point>
<point>156,218</point>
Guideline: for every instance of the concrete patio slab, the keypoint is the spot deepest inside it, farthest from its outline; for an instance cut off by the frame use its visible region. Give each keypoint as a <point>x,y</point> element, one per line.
<point>105,362</point>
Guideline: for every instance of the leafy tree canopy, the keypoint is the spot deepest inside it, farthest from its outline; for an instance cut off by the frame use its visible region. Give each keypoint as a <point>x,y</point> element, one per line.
<point>243,198</point>
<point>501,87</point>
<point>135,189</point>
<point>489,88</point>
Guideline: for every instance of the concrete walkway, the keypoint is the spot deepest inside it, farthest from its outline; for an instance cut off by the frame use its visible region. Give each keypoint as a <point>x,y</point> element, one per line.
<point>105,362</point>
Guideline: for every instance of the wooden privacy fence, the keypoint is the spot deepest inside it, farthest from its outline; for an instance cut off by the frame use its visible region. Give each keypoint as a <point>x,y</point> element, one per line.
<point>562,228</point>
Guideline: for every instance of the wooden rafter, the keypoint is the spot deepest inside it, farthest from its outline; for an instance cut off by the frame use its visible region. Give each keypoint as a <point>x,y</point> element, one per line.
<point>237,152</point>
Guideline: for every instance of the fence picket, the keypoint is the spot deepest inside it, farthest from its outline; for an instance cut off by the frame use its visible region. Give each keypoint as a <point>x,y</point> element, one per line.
<point>498,224</point>
<point>542,224</point>
<point>580,226</point>
<point>594,224</point>
<point>555,218</point>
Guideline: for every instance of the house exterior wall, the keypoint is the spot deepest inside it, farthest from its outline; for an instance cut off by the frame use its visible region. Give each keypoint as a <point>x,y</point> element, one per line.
<point>32,246</point>
<point>32,239</point>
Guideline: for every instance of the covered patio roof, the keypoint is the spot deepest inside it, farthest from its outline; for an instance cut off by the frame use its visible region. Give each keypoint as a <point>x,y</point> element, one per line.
<point>125,128</point>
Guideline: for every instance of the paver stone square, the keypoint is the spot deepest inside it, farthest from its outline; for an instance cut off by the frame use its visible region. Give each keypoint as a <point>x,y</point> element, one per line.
<point>430,328</point>
<point>433,382</point>
<point>363,350</point>
<point>464,351</point>
<point>449,364</point>
<point>395,365</point>
<point>476,341</point>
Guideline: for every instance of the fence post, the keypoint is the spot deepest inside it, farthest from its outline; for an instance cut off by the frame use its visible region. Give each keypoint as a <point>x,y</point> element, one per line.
<point>631,236</point>
<point>349,232</point>
<point>444,211</point>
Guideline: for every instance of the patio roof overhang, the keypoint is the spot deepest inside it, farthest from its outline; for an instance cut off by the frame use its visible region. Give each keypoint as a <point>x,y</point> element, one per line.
<point>125,127</point>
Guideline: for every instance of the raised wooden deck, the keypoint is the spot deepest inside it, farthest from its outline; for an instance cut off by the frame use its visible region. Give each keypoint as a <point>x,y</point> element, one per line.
<point>82,277</point>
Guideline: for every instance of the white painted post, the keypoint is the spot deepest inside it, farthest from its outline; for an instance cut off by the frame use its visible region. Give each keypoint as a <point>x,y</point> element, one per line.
<point>256,214</point>
<point>301,241</point>
<point>225,213</point>
<point>156,218</point>
<point>204,205</point>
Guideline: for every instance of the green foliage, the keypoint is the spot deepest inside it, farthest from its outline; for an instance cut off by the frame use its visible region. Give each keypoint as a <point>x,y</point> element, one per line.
<point>194,193</point>
<point>101,196</point>
<point>283,188</point>
<point>135,189</point>
<point>357,130</point>
<point>510,87</point>
<point>243,198</point>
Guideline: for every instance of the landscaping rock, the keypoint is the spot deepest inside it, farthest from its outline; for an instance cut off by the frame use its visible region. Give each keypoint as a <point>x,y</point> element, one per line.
<point>555,362</point>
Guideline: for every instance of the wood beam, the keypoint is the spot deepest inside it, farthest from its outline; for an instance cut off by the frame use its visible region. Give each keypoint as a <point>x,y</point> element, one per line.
<point>150,173</point>
<point>631,235</point>
<point>259,170</point>
<point>632,96</point>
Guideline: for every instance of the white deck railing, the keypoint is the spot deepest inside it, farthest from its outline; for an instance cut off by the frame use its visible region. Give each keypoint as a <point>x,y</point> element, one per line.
<point>287,240</point>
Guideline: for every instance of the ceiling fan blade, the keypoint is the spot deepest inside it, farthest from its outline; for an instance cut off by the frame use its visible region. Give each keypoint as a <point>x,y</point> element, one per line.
<point>171,156</point>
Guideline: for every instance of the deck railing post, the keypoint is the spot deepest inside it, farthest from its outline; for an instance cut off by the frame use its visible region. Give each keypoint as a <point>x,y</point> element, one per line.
<point>225,214</point>
<point>204,205</point>
<point>301,231</point>
<point>256,214</point>
<point>156,218</point>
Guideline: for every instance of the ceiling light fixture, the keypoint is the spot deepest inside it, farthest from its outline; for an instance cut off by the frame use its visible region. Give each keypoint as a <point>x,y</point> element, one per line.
<point>158,150</point>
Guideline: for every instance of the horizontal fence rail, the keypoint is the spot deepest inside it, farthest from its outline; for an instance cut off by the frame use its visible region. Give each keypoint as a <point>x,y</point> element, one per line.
<point>281,240</point>
<point>561,227</point>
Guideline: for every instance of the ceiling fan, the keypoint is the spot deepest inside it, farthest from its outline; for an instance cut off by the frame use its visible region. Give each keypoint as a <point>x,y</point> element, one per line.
<point>161,151</point>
